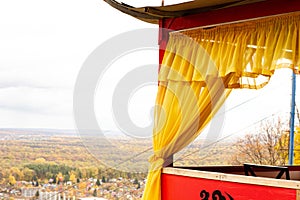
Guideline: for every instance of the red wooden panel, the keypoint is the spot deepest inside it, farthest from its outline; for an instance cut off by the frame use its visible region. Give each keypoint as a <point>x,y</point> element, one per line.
<point>248,11</point>
<point>175,187</point>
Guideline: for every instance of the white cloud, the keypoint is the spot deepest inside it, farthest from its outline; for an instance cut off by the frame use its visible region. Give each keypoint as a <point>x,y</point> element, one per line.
<point>43,45</point>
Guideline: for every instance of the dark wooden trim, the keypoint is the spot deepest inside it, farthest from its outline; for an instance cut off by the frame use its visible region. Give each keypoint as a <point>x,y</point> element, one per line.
<point>169,162</point>
<point>250,169</point>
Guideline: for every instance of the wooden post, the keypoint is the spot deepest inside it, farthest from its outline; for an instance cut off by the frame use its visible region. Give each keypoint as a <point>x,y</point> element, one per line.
<point>169,162</point>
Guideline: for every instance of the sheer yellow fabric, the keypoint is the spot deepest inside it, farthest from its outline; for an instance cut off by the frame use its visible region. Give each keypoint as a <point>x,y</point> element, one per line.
<point>199,69</point>
<point>249,51</point>
<point>185,109</point>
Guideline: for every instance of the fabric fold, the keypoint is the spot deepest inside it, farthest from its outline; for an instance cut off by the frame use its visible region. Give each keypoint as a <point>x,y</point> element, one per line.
<point>200,68</point>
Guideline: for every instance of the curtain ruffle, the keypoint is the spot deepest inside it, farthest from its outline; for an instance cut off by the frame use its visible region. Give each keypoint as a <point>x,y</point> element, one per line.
<point>247,52</point>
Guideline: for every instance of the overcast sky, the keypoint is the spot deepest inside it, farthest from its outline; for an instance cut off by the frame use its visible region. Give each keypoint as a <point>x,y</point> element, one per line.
<point>43,45</point>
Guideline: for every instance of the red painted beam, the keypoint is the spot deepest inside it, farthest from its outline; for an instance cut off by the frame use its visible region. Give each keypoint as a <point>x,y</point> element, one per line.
<point>248,11</point>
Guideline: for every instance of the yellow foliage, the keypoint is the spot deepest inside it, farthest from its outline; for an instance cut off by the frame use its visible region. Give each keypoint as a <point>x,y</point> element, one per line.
<point>285,144</point>
<point>73,177</point>
<point>59,177</point>
<point>27,174</point>
<point>297,146</point>
<point>17,173</point>
<point>12,180</point>
<point>40,160</point>
<point>82,185</point>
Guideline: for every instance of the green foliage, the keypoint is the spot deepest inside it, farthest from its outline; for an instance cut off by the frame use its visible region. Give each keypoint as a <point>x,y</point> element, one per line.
<point>66,178</point>
<point>37,194</point>
<point>95,192</point>
<point>136,181</point>
<point>138,186</point>
<point>98,182</point>
<point>34,178</point>
<point>47,171</point>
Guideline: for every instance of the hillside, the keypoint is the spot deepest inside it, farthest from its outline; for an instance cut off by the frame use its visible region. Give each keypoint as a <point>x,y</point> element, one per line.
<point>19,147</point>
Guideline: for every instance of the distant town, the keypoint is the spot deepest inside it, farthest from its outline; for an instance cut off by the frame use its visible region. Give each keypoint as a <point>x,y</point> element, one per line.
<point>115,188</point>
<point>58,165</point>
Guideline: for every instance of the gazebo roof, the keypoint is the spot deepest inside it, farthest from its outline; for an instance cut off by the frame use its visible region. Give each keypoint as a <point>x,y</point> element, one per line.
<point>153,14</point>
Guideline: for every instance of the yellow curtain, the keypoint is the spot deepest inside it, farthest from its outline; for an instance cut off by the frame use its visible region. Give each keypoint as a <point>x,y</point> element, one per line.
<point>200,67</point>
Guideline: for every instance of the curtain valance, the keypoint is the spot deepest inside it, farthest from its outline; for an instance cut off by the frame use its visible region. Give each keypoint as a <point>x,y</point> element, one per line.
<point>248,52</point>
